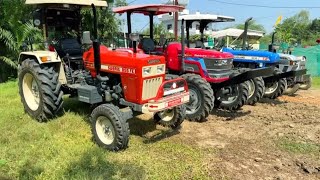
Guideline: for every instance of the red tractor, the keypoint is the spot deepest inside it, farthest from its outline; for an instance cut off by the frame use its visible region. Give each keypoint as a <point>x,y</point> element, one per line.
<point>115,82</point>
<point>210,75</point>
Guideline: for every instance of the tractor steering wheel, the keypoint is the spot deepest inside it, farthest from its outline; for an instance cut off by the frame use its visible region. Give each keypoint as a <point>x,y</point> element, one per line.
<point>165,45</point>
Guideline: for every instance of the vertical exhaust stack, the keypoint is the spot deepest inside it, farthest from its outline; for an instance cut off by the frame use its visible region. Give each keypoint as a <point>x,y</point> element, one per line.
<point>96,43</point>
<point>271,49</point>
<point>245,33</point>
<point>182,47</point>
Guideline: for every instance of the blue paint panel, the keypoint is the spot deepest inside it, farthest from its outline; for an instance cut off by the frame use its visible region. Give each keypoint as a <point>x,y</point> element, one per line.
<point>200,60</point>
<point>273,57</point>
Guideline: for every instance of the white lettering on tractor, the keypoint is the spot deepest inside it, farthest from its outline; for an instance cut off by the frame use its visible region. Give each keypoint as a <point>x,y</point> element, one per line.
<point>118,69</point>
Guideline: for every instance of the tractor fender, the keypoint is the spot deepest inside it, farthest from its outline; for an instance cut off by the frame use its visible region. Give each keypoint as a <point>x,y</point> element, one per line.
<point>52,58</point>
<point>42,57</point>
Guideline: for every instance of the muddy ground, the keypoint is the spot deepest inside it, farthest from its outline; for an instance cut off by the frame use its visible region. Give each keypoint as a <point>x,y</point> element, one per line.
<point>276,139</point>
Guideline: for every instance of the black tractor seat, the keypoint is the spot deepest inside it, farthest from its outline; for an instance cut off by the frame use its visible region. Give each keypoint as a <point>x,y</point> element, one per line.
<point>70,47</point>
<point>149,47</point>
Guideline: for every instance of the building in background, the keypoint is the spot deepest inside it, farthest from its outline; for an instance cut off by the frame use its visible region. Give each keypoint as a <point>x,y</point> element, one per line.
<point>168,21</point>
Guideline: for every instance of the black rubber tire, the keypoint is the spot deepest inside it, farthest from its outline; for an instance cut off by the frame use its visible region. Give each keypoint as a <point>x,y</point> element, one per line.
<point>204,92</point>
<point>307,85</point>
<point>259,91</point>
<point>290,91</point>
<point>177,119</point>
<point>240,101</point>
<point>279,90</point>
<point>120,126</point>
<point>50,93</point>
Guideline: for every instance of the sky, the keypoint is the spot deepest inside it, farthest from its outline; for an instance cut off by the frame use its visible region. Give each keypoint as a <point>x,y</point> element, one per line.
<point>265,16</point>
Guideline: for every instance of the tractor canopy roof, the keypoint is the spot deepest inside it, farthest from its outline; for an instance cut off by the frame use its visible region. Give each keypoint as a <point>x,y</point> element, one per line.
<point>206,17</point>
<point>156,9</point>
<point>99,3</point>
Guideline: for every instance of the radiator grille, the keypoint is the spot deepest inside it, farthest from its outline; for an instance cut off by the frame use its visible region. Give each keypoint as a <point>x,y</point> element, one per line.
<point>150,87</point>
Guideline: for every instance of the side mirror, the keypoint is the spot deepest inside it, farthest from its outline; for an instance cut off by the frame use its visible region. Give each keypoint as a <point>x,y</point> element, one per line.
<point>86,38</point>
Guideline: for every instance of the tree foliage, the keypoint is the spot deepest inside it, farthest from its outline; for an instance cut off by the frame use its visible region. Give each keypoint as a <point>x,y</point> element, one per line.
<point>253,25</point>
<point>298,29</point>
<point>108,24</point>
<point>158,29</point>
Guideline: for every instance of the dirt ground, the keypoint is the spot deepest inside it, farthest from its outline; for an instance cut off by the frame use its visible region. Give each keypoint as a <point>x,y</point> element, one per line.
<point>276,139</point>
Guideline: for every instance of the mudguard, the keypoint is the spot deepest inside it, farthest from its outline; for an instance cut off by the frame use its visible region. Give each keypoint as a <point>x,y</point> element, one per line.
<point>51,57</point>
<point>41,56</point>
<point>244,75</point>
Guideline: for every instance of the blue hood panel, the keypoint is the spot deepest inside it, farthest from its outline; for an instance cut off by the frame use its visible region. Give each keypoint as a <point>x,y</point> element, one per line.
<point>273,57</point>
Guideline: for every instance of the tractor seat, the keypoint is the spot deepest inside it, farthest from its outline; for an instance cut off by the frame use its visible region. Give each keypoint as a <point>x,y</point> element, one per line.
<point>70,46</point>
<point>148,47</point>
<point>199,44</point>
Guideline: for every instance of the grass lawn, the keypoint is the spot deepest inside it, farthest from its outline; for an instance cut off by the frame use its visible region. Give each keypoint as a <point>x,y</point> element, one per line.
<point>63,149</point>
<point>316,82</point>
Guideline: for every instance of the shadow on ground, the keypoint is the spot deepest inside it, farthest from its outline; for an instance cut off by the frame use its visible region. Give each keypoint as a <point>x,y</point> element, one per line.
<point>138,126</point>
<point>144,128</point>
<point>229,115</point>
<point>271,101</point>
<point>95,164</point>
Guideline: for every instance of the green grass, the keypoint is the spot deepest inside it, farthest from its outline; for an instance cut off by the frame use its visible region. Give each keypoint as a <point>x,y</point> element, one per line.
<point>316,82</point>
<point>299,146</point>
<point>63,148</point>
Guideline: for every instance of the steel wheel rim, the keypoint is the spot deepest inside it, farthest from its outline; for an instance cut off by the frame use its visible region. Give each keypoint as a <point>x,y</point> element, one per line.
<point>31,92</point>
<point>166,115</point>
<point>194,102</point>
<point>105,130</point>
<point>252,88</point>
<point>231,99</point>
<point>272,89</point>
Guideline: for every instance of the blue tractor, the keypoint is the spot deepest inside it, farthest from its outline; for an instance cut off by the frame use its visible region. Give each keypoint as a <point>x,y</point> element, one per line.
<point>275,84</point>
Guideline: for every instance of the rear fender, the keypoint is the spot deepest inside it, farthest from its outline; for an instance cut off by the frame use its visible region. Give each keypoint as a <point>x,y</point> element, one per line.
<point>40,56</point>
<point>54,59</point>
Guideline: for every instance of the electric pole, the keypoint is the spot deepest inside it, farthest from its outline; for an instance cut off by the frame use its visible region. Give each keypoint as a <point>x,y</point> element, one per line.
<point>176,15</point>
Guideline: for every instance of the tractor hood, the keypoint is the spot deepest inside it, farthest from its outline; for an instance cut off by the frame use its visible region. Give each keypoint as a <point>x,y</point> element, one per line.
<point>203,53</point>
<point>288,57</point>
<point>253,56</point>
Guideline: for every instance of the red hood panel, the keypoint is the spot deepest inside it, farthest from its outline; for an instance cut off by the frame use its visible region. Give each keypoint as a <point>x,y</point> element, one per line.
<point>204,53</point>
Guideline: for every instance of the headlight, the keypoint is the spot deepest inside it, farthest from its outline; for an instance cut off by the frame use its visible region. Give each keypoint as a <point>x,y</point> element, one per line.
<point>160,69</point>
<point>292,63</point>
<point>146,70</point>
<point>260,65</point>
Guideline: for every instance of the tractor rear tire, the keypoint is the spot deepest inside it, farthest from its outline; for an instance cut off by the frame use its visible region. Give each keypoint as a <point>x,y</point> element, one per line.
<point>201,98</point>
<point>276,89</point>
<point>110,130</point>
<point>307,85</point>
<point>237,102</point>
<point>171,117</point>
<point>40,90</point>
<point>256,90</point>
<point>290,91</point>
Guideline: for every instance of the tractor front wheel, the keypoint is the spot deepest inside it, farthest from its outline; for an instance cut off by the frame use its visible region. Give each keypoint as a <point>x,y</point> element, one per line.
<point>171,117</point>
<point>110,130</point>
<point>275,89</point>
<point>256,90</point>
<point>40,90</point>
<point>201,98</point>
<point>232,97</point>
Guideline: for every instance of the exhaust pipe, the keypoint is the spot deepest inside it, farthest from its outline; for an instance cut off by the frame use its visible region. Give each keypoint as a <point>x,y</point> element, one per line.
<point>182,47</point>
<point>245,33</point>
<point>96,43</point>
<point>271,49</point>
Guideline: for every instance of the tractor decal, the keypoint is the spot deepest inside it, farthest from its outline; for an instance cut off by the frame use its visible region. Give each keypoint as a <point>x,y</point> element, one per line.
<point>118,69</point>
<point>254,58</point>
<point>200,60</point>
